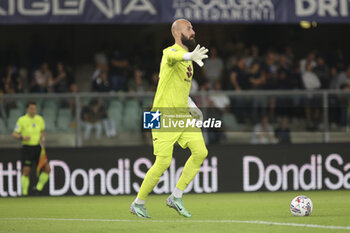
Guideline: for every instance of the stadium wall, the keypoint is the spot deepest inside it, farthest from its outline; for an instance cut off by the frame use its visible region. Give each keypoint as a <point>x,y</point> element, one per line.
<point>228,168</point>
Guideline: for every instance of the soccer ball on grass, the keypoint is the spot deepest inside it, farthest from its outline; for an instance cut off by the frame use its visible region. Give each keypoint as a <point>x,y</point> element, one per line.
<point>301,206</point>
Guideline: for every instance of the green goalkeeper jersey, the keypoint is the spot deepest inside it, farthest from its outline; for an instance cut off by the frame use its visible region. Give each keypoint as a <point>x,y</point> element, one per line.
<point>174,79</point>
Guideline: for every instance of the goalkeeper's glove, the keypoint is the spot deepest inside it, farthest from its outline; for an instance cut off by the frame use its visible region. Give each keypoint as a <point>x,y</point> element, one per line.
<point>194,110</point>
<point>197,55</point>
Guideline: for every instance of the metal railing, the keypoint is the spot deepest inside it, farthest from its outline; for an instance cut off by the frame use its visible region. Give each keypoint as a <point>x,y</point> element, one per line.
<point>323,99</point>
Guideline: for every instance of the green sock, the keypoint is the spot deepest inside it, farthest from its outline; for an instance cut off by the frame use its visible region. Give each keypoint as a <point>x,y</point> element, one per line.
<point>43,178</point>
<point>25,185</point>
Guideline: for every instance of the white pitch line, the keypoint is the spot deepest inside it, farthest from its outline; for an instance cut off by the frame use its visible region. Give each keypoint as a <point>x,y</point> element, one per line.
<point>185,221</point>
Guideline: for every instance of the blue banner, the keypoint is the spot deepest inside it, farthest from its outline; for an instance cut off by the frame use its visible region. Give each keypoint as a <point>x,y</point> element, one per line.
<point>166,11</point>
<point>321,11</point>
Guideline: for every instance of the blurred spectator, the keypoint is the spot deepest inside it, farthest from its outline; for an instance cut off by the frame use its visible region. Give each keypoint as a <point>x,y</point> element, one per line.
<point>11,81</point>
<point>343,103</point>
<point>257,81</point>
<point>138,83</point>
<point>283,103</point>
<point>263,132</point>
<point>283,73</point>
<point>290,56</point>
<point>221,102</point>
<point>118,70</point>
<point>213,67</point>
<point>230,55</point>
<point>252,56</point>
<point>270,68</point>
<point>313,103</point>
<point>218,104</point>
<point>282,133</point>
<point>194,86</point>
<point>238,77</point>
<point>343,78</point>
<point>295,78</point>
<point>108,124</point>
<point>41,79</point>
<point>295,82</point>
<point>333,109</point>
<point>92,119</point>
<point>73,88</point>
<point>337,59</point>
<point>338,104</point>
<point>154,81</point>
<point>283,62</point>
<point>101,83</point>
<point>239,81</point>
<point>333,80</point>
<point>310,79</point>
<point>205,86</point>
<point>322,72</point>
<point>60,82</point>
<point>101,64</point>
<point>256,77</point>
<point>100,60</point>
<point>283,77</point>
<point>310,59</point>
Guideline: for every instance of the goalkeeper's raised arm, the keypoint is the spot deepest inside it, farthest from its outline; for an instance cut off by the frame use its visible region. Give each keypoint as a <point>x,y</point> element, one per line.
<point>197,55</point>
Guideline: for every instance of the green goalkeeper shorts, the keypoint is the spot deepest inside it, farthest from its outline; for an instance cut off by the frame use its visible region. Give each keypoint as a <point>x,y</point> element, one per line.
<point>163,142</point>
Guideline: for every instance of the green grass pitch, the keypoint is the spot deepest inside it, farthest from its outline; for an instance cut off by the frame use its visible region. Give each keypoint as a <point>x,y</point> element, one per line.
<point>214,213</point>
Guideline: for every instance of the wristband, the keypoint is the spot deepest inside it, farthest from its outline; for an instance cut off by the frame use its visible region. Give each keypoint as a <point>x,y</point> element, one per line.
<point>187,56</point>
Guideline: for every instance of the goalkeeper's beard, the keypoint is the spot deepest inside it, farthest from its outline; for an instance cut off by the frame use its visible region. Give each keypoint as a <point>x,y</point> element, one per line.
<point>188,42</point>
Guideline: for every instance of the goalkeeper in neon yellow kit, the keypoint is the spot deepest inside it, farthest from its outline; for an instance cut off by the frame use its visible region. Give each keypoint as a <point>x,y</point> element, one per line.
<point>173,90</point>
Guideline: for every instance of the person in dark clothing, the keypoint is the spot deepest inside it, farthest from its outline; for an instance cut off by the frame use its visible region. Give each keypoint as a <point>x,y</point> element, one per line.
<point>282,133</point>
<point>238,76</point>
<point>102,83</point>
<point>322,71</point>
<point>119,67</point>
<point>239,81</point>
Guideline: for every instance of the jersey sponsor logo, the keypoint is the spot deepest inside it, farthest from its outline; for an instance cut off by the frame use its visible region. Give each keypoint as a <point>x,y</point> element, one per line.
<point>33,125</point>
<point>151,120</point>
<point>189,72</point>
